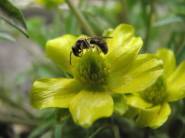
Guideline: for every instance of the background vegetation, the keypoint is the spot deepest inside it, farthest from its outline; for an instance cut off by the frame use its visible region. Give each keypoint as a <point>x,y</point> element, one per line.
<point>161,23</point>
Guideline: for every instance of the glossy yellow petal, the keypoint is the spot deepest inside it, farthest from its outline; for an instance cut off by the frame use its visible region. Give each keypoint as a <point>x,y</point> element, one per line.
<point>123,59</point>
<point>53,92</point>
<point>122,42</point>
<point>169,61</point>
<point>58,50</point>
<point>176,83</point>
<point>120,36</point>
<point>154,117</point>
<point>144,72</point>
<point>137,102</point>
<point>88,106</point>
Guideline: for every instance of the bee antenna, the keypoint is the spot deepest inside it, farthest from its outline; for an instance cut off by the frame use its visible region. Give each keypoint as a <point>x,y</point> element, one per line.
<point>70,57</point>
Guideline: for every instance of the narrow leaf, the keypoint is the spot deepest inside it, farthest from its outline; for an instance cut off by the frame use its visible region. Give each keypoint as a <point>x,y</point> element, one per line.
<point>6,36</point>
<point>168,20</point>
<point>12,16</point>
<point>58,131</point>
<point>41,129</point>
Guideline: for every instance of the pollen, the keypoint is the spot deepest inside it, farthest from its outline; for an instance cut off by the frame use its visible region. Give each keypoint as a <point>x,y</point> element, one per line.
<point>92,69</point>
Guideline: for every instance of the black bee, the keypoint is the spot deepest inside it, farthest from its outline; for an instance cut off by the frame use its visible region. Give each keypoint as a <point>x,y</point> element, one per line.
<point>101,43</point>
<point>87,43</point>
<point>80,44</point>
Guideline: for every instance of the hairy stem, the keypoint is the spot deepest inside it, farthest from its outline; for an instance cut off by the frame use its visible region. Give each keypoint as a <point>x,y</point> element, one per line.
<point>148,22</point>
<point>80,18</point>
<point>97,131</point>
<point>124,13</point>
<point>116,131</point>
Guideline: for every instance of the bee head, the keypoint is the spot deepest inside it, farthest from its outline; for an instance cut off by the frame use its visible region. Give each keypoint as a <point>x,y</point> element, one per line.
<point>79,42</point>
<point>76,51</point>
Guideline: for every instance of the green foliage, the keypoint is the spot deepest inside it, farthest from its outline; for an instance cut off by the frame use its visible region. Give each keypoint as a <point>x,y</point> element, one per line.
<point>13,16</point>
<point>6,36</point>
<point>37,31</point>
<point>159,22</point>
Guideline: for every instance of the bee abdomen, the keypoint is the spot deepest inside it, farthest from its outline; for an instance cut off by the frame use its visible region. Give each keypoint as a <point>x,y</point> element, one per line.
<point>101,44</point>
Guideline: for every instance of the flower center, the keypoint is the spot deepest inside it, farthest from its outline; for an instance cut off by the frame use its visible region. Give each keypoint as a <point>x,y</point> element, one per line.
<point>92,69</point>
<point>156,93</point>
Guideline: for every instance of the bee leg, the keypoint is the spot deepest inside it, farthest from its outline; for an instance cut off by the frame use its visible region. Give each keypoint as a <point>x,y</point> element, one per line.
<point>80,53</point>
<point>87,44</point>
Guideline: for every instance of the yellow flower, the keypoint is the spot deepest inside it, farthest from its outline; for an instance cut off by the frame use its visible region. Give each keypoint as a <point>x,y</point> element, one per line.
<point>152,103</point>
<point>98,80</point>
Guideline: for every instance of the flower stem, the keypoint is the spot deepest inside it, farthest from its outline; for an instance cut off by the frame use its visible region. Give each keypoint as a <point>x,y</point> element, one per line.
<point>80,18</point>
<point>116,132</point>
<point>97,131</point>
<point>124,13</point>
<point>146,133</point>
<point>148,22</point>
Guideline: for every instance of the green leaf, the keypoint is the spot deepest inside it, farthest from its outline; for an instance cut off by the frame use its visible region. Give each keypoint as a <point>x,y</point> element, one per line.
<point>12,16</point>
<point>41,129</point>
<point>97,131</point>
<point>58,131</point>
<point>37,31</point>
<point>6,36</point>
<point>168,20</point>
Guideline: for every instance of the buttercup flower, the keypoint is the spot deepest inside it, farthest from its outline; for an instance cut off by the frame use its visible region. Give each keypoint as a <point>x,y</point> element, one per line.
<point>97,78</point>
<point>153,102</point>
